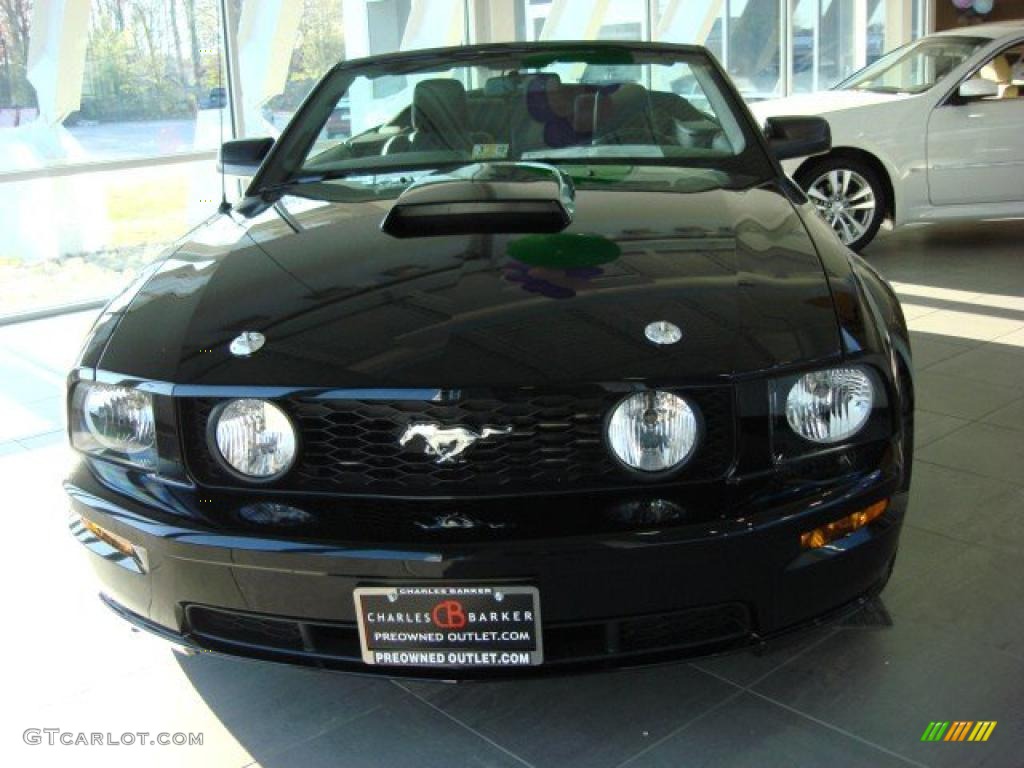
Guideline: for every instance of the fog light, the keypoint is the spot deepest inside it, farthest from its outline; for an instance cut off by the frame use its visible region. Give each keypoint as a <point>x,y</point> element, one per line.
<point>819,537</point>
<point>653,431</point>
<point>255,438</point>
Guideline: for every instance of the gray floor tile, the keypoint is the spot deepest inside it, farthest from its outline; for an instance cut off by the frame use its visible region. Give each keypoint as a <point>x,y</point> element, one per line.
<point>593,721</point>
<point>958,600</point>
<point>885,686</point>
<point>45,440</point>
<point>963,507</point>
<point>960,397</point>
<point>23,419</point>
<point>993,363</point>
<point>974,324</point>
<point>749,665</point>
<point>750,731</point>
<point>27,379</point>
<point>929,427</point>
<point>11,447</point>
<point>402,732</point>
<point>929,349</point>
<point>922,551</point>
<point>1010,416</point>
<point>984,449</point>
<point>270,707</point>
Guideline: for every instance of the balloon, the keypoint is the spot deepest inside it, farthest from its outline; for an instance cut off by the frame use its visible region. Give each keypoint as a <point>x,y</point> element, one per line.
<point>983,6</point>
<point>963,4</point>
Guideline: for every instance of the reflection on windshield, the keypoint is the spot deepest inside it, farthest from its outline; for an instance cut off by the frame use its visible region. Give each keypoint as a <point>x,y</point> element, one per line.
<point>916,67</point>
<point>591,105</point>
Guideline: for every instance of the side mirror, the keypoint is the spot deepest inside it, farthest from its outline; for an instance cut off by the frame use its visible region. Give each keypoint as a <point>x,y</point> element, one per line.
<point>242,157</point>
<point>977,88</point>
<point>797,136</point>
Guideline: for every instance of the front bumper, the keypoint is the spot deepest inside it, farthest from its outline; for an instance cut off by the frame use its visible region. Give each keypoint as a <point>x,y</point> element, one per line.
<point>608,599</point>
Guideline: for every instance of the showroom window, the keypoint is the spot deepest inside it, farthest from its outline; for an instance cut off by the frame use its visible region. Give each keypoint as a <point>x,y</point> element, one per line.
<point>117,128</point>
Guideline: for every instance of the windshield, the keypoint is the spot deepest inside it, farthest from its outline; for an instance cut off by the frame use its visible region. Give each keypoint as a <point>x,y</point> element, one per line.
<point>572,104</point>
<point>916,67</point>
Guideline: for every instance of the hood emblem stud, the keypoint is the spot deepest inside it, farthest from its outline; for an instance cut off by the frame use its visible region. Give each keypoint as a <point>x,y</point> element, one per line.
<point>246,343</point>
<point>663,332</point>
<point>447,444</point>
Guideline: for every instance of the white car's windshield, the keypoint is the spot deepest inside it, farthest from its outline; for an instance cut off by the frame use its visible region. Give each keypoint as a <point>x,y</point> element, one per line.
<point>916,67</point>
<point>571,104</point>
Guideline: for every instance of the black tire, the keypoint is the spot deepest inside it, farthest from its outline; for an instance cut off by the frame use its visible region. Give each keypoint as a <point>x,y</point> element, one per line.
<point>817,171</point>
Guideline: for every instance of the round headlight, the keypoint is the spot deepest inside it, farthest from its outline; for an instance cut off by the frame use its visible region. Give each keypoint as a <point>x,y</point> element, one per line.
<point>653,431</point>
<point>829,406</point>
<point>119,418</point>
<point>255,438</point>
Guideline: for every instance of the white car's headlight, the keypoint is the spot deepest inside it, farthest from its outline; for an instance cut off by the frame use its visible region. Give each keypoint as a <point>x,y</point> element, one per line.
<point>830,406</point>
<point>254,437</point>
<point>653,431</point>
<point>114,422</point>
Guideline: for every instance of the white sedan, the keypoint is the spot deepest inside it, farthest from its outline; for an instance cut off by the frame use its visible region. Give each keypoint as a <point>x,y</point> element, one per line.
<point>933,131</point>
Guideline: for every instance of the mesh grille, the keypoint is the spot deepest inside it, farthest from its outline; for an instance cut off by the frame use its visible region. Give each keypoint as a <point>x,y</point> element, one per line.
<point>246,628</point>
<point>556,443</point>
<point>692,627</point>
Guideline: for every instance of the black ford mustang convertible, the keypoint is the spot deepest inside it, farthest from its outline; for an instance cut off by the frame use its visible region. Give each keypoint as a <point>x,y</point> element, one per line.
<point>547,365</point>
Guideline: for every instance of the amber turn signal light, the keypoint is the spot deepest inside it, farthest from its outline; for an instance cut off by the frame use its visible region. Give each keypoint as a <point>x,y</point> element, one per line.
<point>120,543</point>
<point>819,537</point>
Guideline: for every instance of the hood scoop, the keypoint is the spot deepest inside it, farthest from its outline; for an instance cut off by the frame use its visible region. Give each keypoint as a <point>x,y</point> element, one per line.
<point>484,198</point>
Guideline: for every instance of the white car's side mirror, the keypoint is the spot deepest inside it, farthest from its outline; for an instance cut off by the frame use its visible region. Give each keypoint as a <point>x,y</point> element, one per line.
<point>977,88</point>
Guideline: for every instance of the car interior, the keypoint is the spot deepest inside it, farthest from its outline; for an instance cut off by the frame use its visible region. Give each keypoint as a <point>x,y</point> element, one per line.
<point>516,114</point>
<point>1007,71</point>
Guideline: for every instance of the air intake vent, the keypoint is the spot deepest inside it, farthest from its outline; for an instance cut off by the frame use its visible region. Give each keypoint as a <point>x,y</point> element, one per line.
<point>485,198</point>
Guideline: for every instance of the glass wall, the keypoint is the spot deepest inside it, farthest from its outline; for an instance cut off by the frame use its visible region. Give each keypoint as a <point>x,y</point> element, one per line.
<point>110,115</point>
<point>111,110</point>
<point>832,39</point>
<point>144,81</point>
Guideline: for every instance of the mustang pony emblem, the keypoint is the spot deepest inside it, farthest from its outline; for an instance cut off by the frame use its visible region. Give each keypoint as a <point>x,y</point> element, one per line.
<point>448,443</point>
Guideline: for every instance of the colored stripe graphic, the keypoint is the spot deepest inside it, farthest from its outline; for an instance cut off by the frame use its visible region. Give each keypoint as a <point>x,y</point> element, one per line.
<point>958,730</point>
<point>934,731</point>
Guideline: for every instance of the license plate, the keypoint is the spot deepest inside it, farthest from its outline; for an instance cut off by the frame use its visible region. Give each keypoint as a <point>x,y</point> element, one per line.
<point>449,626</point>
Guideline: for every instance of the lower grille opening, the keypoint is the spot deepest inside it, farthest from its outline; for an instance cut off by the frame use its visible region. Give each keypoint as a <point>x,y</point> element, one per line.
<point>248,629</point>
<point>694,627</point>
<point>259,635</point>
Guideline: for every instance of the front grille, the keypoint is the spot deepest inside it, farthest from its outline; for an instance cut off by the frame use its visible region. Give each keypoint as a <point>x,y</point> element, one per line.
<point>694,630</point>
<point>556,443</point>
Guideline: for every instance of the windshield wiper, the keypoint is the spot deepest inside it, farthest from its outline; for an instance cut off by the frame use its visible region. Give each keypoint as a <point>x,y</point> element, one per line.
<point>307,178</point>
<point>374,171</point>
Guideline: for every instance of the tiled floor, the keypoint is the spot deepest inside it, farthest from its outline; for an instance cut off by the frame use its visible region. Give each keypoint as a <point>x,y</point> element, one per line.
<point>945,641</point>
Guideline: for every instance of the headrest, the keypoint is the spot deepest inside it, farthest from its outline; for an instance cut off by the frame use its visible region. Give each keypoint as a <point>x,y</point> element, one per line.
<point>543,80</point>
<point>625,95</point>
<point>501,85</point>
<point>439,106</point>
<point>997,71</point>
<point>507,85</point>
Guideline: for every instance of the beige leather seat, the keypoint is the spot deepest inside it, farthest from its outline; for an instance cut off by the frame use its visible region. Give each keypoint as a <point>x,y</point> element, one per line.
<point>998,71</point>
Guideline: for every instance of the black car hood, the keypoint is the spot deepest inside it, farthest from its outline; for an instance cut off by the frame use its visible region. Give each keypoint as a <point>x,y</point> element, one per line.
<point>343,305</point>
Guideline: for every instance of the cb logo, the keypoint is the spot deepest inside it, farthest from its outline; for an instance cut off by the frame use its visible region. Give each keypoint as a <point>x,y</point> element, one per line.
<point>449,614</point>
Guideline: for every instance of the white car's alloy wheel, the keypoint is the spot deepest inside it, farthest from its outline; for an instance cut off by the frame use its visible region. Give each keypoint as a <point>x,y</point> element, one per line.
<point>846,201</point>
